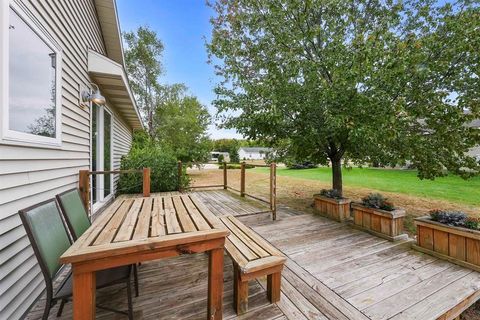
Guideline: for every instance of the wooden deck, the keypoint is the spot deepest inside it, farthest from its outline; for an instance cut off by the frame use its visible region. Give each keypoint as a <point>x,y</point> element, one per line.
<point>332,272</point>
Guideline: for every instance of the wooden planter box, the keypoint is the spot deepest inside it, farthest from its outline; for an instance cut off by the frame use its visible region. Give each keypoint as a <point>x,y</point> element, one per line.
<point>337,209</point>
<point>455,244</point>
<point>382,223</point>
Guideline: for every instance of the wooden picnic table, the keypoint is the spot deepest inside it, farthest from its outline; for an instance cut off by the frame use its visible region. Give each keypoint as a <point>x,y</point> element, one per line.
<point>132,230</point>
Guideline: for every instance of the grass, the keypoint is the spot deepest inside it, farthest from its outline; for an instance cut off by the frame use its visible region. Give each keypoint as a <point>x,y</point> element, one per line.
<point>449,188</point>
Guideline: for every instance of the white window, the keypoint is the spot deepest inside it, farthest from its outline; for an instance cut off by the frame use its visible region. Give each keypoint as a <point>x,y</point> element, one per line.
<point>30,68</point>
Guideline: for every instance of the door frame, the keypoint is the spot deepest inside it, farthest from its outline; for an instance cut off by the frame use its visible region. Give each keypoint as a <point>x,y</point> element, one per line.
<point>100,165</point>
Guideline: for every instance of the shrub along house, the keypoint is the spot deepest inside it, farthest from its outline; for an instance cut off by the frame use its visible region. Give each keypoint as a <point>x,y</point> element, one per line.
<point>56,57</point>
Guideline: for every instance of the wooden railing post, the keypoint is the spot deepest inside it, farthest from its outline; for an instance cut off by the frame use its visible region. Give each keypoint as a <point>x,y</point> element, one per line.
<point>273,190</point>
<point>180,168</point>
<point>225,175</point>
<point>146,182</point>
<point>84,187</point>
<point>242,179</point>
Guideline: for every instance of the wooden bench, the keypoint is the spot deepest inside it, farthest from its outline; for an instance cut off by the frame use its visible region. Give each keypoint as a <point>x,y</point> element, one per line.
<point>253,257</point>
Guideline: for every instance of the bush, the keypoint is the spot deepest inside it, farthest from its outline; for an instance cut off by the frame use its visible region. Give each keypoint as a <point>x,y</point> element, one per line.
<point>164,171</point>
<point>221,158</point>
<point>455,219</point>
<point>331,193</point>
<point>236,166</point>
<point>472,223</point>
<point>302,165</point>
<point>377,201</point>
<point>451,218</point>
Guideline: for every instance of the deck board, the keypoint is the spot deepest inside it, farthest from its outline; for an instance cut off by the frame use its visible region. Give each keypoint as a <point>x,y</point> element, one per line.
<point>332,272</point>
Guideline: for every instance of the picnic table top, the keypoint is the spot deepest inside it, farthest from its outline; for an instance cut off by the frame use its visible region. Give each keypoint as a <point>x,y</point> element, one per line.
<point>136,225</point>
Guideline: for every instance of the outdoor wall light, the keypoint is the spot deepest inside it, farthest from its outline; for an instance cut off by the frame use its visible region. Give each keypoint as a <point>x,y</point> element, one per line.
<point>95,96</point>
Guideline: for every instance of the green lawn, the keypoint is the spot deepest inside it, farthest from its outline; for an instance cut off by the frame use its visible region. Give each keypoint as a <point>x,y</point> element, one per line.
<point>451,188</point>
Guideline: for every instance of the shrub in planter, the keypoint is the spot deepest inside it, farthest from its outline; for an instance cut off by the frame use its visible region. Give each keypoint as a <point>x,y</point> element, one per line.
<point>451,235</point>
<point>377,215</point>
<point>452,218</point>
<point>164,170</point>
<point>377,201</point>
<point>329,202</point>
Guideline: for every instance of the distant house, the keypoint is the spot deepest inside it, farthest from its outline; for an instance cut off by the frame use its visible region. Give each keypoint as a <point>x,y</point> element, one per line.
<point>57,60</point>
<point>215,154</point>
<point>253,153</point>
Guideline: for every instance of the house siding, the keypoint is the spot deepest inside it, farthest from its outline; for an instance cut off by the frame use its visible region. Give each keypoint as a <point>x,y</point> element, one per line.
<point>122,141</point>
<point>29,174</point>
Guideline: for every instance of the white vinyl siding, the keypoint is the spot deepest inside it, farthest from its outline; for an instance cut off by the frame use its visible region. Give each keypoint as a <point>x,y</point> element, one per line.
<point>122,141</point>
<point>30,174</point>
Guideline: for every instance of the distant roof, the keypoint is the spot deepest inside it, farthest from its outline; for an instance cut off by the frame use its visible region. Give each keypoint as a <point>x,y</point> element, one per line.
<point>255,149</point>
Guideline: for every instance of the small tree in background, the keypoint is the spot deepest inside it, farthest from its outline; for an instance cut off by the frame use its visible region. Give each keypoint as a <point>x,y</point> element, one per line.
<point>366,81</point>
<point>228,145</point>
<point>143,51</point>
<point>181,124</point>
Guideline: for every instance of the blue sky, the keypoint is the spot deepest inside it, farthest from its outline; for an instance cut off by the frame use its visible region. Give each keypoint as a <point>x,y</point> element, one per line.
<point>182,26</point>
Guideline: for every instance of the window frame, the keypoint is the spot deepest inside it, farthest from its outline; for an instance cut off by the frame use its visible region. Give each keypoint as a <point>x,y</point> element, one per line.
<point>9,136</point>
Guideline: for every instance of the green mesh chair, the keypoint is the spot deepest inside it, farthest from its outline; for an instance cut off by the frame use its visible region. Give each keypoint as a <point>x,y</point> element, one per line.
<point>49,239</point>
<point>75,214</point>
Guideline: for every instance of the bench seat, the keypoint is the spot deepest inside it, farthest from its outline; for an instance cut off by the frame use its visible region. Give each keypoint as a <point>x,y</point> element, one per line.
<point>253,257</point>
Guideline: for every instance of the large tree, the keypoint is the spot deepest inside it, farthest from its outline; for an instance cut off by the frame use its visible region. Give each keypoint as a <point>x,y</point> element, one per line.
<point>143,53</point>
<point>366,80</point>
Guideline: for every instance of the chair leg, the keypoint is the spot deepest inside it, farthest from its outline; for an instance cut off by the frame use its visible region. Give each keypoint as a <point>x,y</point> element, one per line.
<point>273,286</point>
<point>48,306</point>
<point>135,279</point>
<point>129,298</point>
<point>240,293</point>
<point>60,309</point>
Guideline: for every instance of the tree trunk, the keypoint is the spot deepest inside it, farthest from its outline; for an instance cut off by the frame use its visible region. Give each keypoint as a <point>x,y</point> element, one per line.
<point>337,183</point>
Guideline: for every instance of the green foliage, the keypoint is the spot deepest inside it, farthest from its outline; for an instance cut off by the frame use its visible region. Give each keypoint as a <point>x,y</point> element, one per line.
<point>301,165</point>
<point>331,193</point>
<point>141,140</point>
<point>143,51</point>
<point>377,201</point>
<point>472,223</point>
<point>181,123</point>
<point>221,158</point>
<point>451,218</point>
<point>164,170</point>
<point>237,166</point>
<point>370,81</point>
<point>455,218</point>
<point>228,145</point>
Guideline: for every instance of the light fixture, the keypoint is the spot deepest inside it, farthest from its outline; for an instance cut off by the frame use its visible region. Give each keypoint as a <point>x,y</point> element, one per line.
<point>95,96</point>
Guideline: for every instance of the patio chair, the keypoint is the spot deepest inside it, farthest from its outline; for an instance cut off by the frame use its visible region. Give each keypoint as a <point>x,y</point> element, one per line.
<point>75,214</point>
<point>49,239</point>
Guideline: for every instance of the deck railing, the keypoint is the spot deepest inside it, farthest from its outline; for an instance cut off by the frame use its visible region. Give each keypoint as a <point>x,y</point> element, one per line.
<point>84,182</point>
<point>272,201</point>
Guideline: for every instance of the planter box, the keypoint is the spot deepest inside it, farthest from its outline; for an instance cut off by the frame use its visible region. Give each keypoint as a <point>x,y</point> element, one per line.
<point>382,223</point>
<point>337,209</point>
<point>455,244</point>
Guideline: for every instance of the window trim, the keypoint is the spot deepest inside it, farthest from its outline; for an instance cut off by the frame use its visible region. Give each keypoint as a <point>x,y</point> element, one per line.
<point>12,136</point>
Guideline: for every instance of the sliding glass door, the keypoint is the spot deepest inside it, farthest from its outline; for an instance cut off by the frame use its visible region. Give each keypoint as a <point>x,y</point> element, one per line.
<point>102,184</point>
